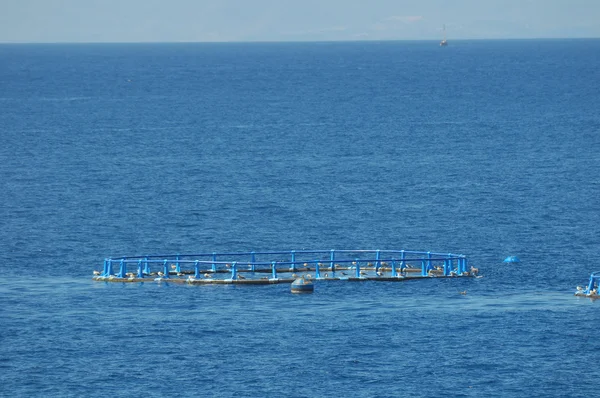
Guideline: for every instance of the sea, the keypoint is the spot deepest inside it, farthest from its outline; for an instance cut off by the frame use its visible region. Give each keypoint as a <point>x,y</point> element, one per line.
<point>487,148</point>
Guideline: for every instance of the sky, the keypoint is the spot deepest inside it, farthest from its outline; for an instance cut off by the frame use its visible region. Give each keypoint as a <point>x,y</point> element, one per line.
<point>43,21</point>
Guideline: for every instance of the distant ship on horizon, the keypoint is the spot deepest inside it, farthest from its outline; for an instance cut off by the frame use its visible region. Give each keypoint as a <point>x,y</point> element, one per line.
<point>444,42</point>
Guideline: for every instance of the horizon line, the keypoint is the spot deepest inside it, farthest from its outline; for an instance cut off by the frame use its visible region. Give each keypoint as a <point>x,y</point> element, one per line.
<point>296,41</point>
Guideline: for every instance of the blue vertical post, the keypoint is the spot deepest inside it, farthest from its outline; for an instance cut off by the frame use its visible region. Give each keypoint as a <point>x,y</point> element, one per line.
<point>177,267</point>
<point>105,268</point>
<point>402,257</point>
<point>293,261</point>
<point>377,262</point>
<point>140,273</point>
<point>466,264</point>
<point>253,259</point>
<point>214,263</point>
<point>146,266</point>
<point>423,267</point>
<point>393,268</point>
<point>357,268</point>
<point>429,266</point>
<point>447,267</point>
<point>166,269</point>
<point>590,285</point>
<point>332,259</point>
<point>109,269</point>
<point>273,270</point>
<point>234,270</point>
<point>317,273</point>
<point>196,269</point>
<point>461,266</point>
<point>122,269</point>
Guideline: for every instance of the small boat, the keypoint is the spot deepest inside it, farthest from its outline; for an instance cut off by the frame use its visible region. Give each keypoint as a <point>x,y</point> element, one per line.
<point>444,42</point>
<point>592,288</point>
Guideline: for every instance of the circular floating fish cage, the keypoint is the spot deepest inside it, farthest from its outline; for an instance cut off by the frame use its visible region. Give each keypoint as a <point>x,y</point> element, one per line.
<point>270,267</point>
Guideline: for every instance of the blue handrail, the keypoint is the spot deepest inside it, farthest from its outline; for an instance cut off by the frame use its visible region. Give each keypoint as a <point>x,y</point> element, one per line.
<point>263,261</point>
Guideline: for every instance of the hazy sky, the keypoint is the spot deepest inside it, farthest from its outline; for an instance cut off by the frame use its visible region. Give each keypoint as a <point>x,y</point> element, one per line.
<point>293,20</point>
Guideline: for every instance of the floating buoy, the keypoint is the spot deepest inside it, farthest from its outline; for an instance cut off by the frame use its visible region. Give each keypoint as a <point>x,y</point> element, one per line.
<point>512,259</point>
<point>302,285</point>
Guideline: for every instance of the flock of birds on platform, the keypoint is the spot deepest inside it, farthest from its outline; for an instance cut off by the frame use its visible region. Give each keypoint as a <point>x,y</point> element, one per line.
<point>437,270</point>
<point>592,292</point>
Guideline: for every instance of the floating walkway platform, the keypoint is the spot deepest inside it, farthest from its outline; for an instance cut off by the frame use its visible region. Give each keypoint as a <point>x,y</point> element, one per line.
<point>591,290</point>
<point>263,268</point>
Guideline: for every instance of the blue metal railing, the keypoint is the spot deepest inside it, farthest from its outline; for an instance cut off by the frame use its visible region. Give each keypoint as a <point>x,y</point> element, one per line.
<point>318,260</point>
<point>592,287</point>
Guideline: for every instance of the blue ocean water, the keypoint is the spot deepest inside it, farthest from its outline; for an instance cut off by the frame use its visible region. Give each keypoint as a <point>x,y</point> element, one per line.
<point>485,148</point>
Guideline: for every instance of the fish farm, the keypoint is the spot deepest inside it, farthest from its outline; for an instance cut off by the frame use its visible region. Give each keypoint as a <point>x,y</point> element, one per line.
<point>591,290</point>
<point>261,268</point>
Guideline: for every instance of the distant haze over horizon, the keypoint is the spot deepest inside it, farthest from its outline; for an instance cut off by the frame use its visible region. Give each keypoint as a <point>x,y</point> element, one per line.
<point>108,21</point>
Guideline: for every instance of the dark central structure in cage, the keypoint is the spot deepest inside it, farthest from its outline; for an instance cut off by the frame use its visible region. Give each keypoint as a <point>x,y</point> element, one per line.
<point>268,267</point>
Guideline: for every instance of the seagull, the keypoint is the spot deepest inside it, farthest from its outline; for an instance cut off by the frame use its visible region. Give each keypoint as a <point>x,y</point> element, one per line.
<point>159,273</point>
<point>173,266</point>
<point>241,277</point>
<point>97,272</point>
<point>464,292</point>
<point>207,275</point>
